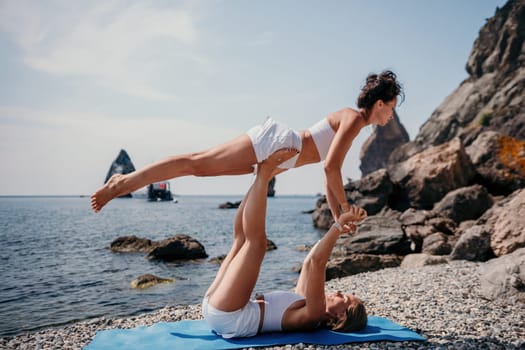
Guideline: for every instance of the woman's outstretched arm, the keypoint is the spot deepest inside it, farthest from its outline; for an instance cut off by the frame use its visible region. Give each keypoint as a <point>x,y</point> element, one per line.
<point>349,127</point>
<point>311,281</point>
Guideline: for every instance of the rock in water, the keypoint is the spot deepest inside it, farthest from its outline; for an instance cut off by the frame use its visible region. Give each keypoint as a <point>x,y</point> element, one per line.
<point>132,244</point>
<point>271,187</point>
<point>121,165</point>
<point>149,280</point>
<point>179,247</point>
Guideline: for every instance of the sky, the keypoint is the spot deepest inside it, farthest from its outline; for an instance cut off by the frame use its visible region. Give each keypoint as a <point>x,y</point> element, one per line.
<point>80,80</point>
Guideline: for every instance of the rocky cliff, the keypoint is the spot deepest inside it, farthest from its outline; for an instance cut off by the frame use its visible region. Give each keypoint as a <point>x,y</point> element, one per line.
<point>458,189</point>
<point>492,97</point>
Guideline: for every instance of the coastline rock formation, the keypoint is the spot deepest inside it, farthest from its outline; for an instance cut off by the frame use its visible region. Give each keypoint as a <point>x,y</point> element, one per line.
<point>491,98</point>
<point>121,165</point>
<point>178,247</point>
<point>458,190</point>
<point>377,148</point>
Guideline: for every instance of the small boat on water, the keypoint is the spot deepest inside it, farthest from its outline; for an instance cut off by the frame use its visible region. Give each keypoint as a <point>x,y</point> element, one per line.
<point>159,191</point>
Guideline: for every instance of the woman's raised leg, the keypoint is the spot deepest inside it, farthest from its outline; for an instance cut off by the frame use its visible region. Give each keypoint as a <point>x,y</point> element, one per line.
<point>235,157</point>
<point>239,277</point>
<point>238,241</point>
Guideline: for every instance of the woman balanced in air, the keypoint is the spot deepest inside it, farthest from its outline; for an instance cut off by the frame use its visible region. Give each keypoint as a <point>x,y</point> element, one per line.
<point>328,140</point>
<point>228,307</point>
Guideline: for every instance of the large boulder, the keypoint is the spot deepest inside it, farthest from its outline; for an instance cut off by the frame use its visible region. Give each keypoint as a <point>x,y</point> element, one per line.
<point>428,176</point>
<point>466,203</point>
<point>436,244</point>
<point>377,148</point>
<point>179,247</point>
<point>499,231</point>
<point>508,224</point>
<point>504,277</point>
<point>413,216</point>
<point>499,160</point>
<point>372,192</point>
<point>473,245</point>
<point>358,263</point>
<point>428,231</point>
<point>378,235</point>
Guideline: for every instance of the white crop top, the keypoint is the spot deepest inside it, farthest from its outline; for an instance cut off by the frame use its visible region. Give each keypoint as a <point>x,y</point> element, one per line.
<point>323,135</point>
<point>275,304</point>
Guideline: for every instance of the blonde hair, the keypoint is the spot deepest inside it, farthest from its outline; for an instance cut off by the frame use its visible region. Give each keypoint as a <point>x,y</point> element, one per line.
<point>355,318</point>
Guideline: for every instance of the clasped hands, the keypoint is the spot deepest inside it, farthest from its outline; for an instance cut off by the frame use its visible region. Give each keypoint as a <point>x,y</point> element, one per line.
<point>349,219</point>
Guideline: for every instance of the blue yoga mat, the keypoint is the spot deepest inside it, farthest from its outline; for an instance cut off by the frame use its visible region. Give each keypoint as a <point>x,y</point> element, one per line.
<point>189,335</point>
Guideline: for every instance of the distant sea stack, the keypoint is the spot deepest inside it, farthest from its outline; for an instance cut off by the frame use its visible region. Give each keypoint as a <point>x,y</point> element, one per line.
<point>377,148</point>
<point>271,187</point>
<point>121,165</point>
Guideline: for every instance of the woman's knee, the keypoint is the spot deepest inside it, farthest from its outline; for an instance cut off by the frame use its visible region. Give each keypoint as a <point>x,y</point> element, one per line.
<point>257,242</point>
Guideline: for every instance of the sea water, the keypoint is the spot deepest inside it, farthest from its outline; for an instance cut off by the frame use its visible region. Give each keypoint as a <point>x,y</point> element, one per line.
<point>56,266</point>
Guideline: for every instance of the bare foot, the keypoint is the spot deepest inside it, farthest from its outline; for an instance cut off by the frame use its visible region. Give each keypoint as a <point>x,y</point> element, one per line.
<point>106,193</point>
<point>276,158</point>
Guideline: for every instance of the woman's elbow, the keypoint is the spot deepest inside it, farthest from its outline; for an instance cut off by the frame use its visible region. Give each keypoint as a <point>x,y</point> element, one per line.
<point>330,169</point>
<point>314,264</point>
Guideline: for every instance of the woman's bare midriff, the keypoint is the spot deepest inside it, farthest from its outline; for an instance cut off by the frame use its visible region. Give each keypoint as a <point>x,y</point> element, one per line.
<point>309,153</point>
<point>260,300</point>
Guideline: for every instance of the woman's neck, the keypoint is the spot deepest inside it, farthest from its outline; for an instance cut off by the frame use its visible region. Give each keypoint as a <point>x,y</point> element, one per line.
<point>365,116</point>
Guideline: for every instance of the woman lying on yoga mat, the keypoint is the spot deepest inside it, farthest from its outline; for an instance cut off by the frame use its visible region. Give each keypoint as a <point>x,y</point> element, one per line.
<point>327,140</point>
<point>227,306</point>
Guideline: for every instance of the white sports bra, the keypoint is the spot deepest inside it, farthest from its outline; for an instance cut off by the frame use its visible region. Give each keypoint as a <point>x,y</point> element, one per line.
<point>323,135</point>
<point>275,304</point>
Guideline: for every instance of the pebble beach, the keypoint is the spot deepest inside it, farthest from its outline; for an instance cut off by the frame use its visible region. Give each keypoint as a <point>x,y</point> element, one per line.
<point>441,302</point>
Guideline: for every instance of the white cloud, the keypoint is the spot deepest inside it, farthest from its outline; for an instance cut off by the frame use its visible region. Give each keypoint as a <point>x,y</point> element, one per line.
<point>117,45</point>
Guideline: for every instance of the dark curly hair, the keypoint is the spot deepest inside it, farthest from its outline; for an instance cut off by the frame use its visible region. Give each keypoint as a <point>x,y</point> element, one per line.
<point>383,87</point>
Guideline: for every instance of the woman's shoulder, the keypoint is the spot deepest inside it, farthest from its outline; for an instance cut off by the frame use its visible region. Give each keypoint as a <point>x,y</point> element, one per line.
<point>298,318</point>
<point>346,110</point>
<point>346,116</point>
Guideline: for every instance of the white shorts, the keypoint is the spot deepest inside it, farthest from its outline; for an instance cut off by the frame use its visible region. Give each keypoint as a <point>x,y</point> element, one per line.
<point>271,136</point>
<point>239,323</point>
